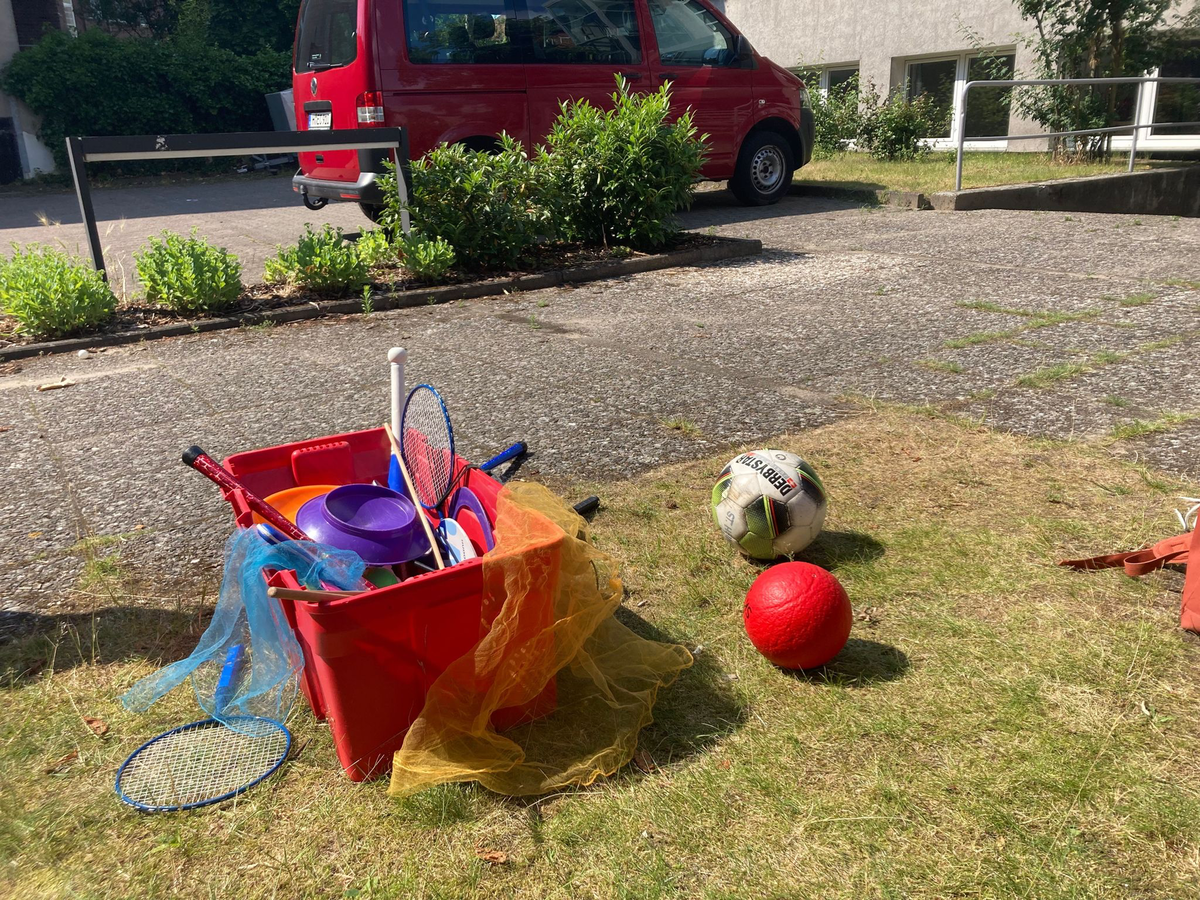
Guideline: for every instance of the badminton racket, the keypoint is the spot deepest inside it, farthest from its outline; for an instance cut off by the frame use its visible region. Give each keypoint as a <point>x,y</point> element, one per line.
<point>208,761</point>
<point>427,446</point>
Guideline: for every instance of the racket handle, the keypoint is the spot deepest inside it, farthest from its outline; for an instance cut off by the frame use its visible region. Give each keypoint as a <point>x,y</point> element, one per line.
<point>587,506</point>
<point>197,459</point>
<point>520,448</point>
<point>397,357</point>
<point>231,674</point>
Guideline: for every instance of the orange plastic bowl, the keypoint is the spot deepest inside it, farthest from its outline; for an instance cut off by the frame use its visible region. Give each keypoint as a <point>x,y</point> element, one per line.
<point>289,502</point>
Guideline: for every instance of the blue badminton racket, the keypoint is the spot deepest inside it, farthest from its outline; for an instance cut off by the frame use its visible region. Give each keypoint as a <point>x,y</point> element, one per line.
<point>427,443</point>
<point>208,761</point>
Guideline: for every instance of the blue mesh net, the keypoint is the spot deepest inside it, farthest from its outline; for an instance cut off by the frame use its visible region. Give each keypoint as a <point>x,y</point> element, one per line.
<point>249,640</point>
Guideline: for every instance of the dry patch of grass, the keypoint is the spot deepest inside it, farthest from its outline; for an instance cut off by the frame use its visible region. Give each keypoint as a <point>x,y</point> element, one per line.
<point>997,726</point>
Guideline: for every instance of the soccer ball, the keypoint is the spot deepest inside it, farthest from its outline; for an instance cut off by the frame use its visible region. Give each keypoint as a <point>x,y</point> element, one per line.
<point>769,503</point>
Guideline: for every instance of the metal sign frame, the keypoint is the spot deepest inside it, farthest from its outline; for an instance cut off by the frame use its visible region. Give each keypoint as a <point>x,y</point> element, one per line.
<point>82,150</point>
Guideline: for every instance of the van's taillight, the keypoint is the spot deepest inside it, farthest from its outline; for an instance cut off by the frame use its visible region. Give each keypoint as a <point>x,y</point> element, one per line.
<point>370,108</point>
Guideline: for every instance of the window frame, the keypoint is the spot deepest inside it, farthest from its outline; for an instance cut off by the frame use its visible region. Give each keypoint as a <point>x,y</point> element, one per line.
<point>962,62</point>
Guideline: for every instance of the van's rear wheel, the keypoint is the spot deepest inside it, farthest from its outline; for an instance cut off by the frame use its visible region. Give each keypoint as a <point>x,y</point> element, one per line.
<point>764,169</point>
<point>372,212</point>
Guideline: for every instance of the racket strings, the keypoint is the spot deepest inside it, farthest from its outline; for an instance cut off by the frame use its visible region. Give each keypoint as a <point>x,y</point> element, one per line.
<point>203,763</point>
<point>428,446</point>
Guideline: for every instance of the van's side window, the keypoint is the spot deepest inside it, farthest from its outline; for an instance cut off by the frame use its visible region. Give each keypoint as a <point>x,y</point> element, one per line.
<point>689,35</point>
<point>459,31</point>
<point>603,32</point>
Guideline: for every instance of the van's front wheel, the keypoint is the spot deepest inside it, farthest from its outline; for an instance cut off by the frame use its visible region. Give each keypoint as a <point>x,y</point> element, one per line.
<point>764,169</point>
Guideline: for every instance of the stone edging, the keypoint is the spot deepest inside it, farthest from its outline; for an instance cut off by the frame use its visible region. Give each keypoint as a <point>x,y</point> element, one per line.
<point>723,248</point>
<point>899,199</point>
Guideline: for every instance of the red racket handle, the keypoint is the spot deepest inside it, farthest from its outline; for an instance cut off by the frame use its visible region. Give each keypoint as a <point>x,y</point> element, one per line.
<point>204,464</point>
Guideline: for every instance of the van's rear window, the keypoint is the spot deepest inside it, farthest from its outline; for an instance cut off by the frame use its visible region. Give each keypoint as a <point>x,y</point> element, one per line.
<point>460,31</point>
<point>326,37</point>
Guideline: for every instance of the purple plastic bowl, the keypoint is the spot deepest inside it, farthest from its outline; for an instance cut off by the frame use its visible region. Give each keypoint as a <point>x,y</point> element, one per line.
<point>375,522</point>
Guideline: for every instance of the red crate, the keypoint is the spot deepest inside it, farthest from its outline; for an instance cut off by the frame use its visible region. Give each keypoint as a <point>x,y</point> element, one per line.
<point>369,659</point>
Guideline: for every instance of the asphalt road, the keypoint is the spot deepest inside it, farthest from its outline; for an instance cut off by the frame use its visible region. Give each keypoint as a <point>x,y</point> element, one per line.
<point>1051,325</point>
<point>248,215</point>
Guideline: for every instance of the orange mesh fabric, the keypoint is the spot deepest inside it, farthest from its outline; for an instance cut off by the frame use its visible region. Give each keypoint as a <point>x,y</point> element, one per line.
<point>552,595</point>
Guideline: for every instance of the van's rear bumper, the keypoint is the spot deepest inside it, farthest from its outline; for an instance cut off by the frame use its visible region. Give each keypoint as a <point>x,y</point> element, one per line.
<point>365,190</point>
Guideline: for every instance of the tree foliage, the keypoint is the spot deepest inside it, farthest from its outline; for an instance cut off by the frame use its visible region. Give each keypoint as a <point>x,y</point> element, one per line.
<point>1092,39</point>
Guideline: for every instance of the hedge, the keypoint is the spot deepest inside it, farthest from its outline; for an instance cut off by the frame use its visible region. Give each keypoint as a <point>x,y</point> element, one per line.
<point>97,84</point>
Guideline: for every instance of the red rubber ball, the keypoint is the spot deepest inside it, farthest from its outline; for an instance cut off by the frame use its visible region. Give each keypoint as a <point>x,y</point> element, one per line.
<point>797,615</point>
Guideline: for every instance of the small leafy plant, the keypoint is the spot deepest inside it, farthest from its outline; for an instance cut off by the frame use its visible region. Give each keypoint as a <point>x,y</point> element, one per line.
<point>189,275</point>
<point>618,176</point>
<point>321,261</point>
<point>427,259</point>
<point>375,248</point>
<point>51,295</point>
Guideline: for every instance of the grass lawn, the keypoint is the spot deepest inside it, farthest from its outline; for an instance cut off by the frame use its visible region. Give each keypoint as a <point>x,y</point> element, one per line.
<point>997,726</point>
<point>935,172</point>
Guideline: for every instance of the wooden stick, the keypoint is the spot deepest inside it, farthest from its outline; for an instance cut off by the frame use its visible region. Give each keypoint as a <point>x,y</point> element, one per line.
<point>412,493</point>
<point>282,593</point>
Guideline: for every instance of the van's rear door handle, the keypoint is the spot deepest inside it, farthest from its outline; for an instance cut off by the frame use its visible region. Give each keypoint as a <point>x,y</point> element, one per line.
<point>632,76</point>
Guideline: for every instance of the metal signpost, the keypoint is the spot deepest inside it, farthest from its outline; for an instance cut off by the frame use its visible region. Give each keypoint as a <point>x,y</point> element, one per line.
<point>83,150</point>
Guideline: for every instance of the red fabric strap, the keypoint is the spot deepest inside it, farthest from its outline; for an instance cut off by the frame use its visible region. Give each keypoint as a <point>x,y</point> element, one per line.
<point>1177,549</point>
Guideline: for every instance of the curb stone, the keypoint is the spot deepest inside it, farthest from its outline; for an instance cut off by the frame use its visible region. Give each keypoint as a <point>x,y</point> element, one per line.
<point>898,199</point>
<point>723,248</point>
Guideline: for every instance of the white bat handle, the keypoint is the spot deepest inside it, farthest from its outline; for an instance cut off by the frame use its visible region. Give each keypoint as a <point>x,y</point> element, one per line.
<point>397,356</point>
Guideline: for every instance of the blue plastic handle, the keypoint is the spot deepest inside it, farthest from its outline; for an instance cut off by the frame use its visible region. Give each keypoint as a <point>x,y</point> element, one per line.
<point>518,449</point>
<point>231,674</point>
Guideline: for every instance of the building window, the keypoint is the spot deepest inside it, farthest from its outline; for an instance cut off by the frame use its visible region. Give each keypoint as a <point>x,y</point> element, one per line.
<point>826,78</point>
<point>988,109</point>
<point>942,80</point>
<point>1177,102</point>
<point>841,77</point>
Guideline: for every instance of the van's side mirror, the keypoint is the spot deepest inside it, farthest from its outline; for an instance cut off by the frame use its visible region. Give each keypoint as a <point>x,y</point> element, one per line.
<point>744,52</point>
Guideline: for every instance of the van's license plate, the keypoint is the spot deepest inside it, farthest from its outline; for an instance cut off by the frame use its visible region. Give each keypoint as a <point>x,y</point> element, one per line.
<point>320,121</point>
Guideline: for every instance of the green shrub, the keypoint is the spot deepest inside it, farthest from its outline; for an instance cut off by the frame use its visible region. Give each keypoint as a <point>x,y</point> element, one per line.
<point>427,259</point>
<point>837,115</point>
<point>895,128</point>
<point>189,275</point>
<point>51,295</point>
<point>103,85</point>
<point>375,248</point>
<point>618,176</point>
<point>321,261</point>
<point>485,205</point>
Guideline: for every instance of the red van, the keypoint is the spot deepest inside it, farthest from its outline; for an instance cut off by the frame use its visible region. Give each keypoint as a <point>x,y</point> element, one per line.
<point>463,71</point>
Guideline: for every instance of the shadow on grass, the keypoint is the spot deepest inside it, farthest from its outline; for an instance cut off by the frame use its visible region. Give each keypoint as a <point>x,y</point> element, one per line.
<point>31,643</point>
<point>861,663</point>
<point>834,549</point>
<point>699,709</point>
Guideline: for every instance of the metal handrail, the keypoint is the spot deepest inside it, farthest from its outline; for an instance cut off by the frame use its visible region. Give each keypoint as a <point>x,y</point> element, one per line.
<point>1133,129</point>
